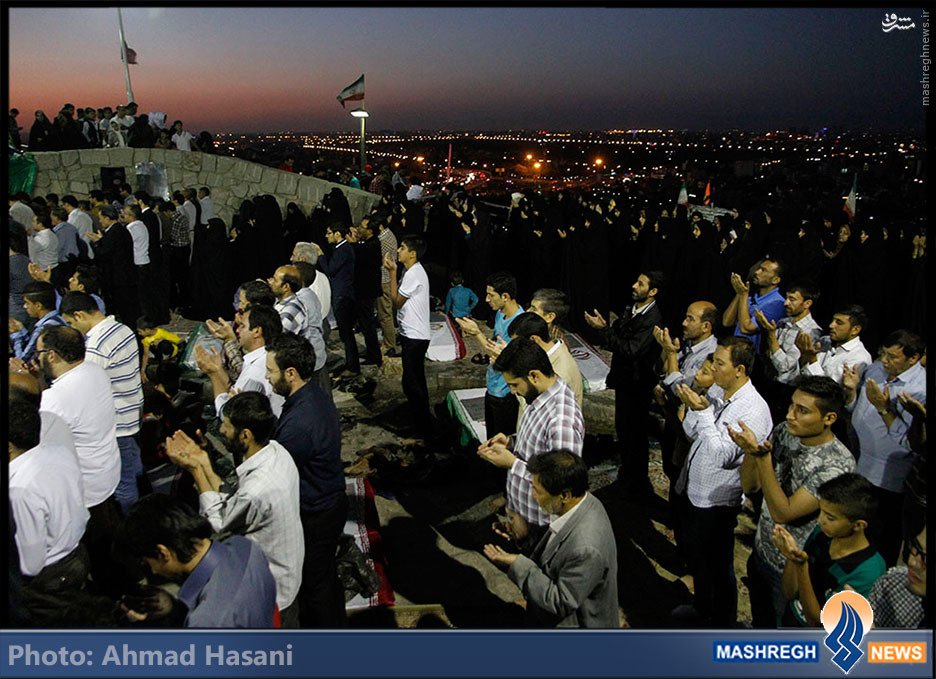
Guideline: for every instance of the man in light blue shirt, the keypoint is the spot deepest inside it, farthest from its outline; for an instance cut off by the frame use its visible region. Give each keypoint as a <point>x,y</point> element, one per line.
<point>880,423</point>
<point>500,406</point>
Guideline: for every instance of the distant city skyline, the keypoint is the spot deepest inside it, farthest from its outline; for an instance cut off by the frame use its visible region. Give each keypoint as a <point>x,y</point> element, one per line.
<point>248,70</point>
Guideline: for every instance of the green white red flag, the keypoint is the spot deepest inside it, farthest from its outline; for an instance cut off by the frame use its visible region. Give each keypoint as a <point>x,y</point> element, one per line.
<point>353,92</point>
<point>850,205</point>
<point>683,196</point>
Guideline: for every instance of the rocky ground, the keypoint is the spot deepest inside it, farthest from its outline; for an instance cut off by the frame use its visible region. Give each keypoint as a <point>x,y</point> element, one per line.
<point>436,507</point>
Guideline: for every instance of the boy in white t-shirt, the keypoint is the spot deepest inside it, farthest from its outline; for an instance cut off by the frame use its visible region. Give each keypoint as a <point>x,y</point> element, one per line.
<point>412,299</point>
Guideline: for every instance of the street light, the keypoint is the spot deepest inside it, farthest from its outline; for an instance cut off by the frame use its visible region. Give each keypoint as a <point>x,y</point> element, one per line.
<point>363,115</point>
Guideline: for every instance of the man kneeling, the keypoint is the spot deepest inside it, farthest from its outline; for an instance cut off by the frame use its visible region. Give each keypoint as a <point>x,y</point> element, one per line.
<point>570,580</point>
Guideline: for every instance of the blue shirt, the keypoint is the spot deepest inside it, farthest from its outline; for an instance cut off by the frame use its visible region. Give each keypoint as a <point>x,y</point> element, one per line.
<point>772,306</point>
<point>496,385</point>
<point>885,456</point>
<point>460,301</point>
<point>67,236</point>
<point>24,345</point>
<point>308,428</point>
<point>230,587</point>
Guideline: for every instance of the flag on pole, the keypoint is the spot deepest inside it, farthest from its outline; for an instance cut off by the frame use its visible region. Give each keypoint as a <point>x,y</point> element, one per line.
<point>353,92</point>
<point>850,206</point>
<point>131,54</point>
<point>707,199</point>
<point>683,196</point>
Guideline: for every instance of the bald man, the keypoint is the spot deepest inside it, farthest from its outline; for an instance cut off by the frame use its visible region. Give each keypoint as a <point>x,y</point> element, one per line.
<point>285,283</point>
<point>681,360</point>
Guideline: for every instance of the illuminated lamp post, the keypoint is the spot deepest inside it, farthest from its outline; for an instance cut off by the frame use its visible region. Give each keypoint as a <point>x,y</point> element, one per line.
<point>363,115</point>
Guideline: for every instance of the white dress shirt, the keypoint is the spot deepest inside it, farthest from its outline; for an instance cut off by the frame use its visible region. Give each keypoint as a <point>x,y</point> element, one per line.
<point>48,505</point>
<point>140,236</point>
<point>82,397</point>
<point>265,509</point>
<point>43,248</point>
<point>207,208</point>
<point>322,289</point>
<point>831,360</point>
<point>557,522</point>
<point>22,213</point>
<point>711,475</point>
<point>253,378</point>
<point>83,225</point>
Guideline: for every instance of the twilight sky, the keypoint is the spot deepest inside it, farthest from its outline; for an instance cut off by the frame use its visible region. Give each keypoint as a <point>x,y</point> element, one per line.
<point>275,69</point>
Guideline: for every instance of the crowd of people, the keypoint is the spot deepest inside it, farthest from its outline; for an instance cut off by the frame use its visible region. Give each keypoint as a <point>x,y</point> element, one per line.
<point>106,127</point>
<point>797,384</point>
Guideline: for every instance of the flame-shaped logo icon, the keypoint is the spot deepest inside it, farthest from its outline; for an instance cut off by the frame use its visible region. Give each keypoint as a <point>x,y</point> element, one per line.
<point>846,617</point>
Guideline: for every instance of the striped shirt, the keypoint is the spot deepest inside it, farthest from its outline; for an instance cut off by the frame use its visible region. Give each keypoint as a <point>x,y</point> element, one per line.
<point>552,422</point>
<point>113,346</point>
<point>265,509</point>
<point>292,314</point>
<point>711,474</point>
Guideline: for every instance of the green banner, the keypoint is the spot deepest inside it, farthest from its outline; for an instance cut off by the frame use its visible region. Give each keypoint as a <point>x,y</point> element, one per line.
<point>22,173</point>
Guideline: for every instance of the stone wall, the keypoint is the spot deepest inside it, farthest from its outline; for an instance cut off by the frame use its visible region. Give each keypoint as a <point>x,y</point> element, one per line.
<point>231,179</point>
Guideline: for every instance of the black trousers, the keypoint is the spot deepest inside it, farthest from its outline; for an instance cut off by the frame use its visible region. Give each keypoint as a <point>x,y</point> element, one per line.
<point>124,302</point>
<point>344,316</point>
<point>631,426</point>
<point>886,529</point>
<point>709,532</point>
<point>413,354</point>
<point>500,414</point>
<point>179,276</point>
<point>321,595</point>
<point>367,322</point>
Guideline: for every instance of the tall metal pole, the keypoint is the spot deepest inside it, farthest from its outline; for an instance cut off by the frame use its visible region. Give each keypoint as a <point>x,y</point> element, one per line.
<point>123,54</point>
<point>363,157</point>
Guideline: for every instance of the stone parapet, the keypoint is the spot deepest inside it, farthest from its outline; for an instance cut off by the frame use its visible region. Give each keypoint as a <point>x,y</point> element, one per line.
<point>231,180</point>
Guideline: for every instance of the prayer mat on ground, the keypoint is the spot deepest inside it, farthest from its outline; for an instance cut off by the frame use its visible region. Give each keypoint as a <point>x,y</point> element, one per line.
<point>593,365</point>
<point>446,343</point>
<point>467,406</point>
<point>363,525</point>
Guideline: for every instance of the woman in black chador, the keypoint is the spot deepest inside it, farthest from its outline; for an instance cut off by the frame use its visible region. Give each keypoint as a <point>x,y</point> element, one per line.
<point>211,271</point>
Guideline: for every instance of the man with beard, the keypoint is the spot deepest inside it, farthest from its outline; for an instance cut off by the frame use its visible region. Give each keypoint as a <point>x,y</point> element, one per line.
<point>265,506</point>
<point>552,420</point>
<point>631,341</point>
<point>841,349</point>
<point>308,428</point>
<point>765,279</point>
<point>80,395</point>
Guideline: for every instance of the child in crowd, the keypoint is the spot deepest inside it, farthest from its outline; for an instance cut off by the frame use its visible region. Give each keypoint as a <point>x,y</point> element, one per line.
<point>836,556</point>
<point>460,301</point>
<point>162,342</point>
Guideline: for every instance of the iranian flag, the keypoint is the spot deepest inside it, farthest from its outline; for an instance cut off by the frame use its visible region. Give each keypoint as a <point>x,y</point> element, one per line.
<point>850,206</point>
<point>708,194</point>
<point>683,196</point>
<point>353,92</point>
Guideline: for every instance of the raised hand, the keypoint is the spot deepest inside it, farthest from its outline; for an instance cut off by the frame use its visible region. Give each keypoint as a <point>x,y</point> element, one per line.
<point>389,262</point>
<point>38,273</point>
<point>740,287</point>
<point>597,321</point>
<point>764,322</point>
<point>746,440</point>
<point>208,362</point>
<point>911,405</point>
<point>787,546</point>
<point>807,347</point>
<point>469,326</point>
<point>850,377</point>
<point>879,399</point>
<point>691,398</point>
<point>184,452</point>
<point>221,329</point>
<point>499,556</point>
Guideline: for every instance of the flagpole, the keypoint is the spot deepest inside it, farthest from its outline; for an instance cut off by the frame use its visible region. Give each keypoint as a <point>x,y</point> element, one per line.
<point>123,54</point>
<point>363,156</point>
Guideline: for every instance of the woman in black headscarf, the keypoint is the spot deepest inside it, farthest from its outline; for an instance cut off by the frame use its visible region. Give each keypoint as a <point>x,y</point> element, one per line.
<point>140,135</point>
<point>270,234</point>
<point>336,204</point>
<point>211,271</point>
<point>244,245</point>
<point>42,136</point>
<point>295,229</point>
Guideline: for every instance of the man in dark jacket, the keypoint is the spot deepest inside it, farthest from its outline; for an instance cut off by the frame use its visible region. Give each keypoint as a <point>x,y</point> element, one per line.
<point>339,267</point>
<point>632,377</point>
<point>368,263</point>
<point>308,428</point>
<point>113,254</point>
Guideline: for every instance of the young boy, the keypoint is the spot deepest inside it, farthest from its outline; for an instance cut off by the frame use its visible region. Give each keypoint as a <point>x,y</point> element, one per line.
<point>836,555</point>
<point>155,338</point>
<point>460,301</point>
